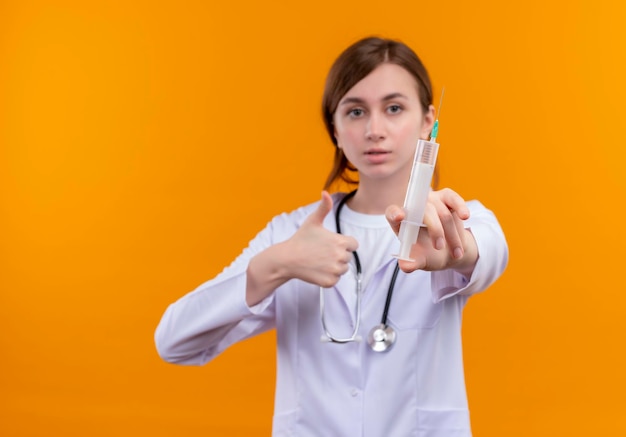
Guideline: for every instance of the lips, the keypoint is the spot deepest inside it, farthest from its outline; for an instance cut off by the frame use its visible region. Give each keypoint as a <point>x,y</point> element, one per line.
<point>376,152</point>
<point>376,156</point>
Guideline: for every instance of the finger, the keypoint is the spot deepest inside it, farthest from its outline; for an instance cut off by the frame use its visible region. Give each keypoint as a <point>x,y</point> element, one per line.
<point>459,211</point>
<point>341,269</point>
<point>351,244</point>
<point>327,281</point>
<point>325,206</point>
<point>410,266</point>
<point>455,203</point>
<point>449,222</point>
<point>460,227</point>
<point>347,257</point>
<point>395,215</point>
<point>435,227</point>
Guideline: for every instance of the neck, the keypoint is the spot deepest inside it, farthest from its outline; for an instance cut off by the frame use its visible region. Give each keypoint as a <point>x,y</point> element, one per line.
<point>373,197</point>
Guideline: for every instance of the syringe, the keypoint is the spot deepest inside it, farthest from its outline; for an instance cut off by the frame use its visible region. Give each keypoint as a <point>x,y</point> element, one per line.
<point>417,191</point>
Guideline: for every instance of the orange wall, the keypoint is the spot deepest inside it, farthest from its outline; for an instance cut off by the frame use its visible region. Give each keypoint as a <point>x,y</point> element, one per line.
<point>142,145</point>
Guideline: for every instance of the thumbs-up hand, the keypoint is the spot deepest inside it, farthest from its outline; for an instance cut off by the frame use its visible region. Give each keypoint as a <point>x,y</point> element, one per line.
<point>320,256</point>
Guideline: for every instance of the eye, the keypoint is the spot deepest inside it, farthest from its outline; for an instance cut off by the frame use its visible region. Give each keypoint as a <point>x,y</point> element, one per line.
<point>394,109</point>
<point>355,112</point>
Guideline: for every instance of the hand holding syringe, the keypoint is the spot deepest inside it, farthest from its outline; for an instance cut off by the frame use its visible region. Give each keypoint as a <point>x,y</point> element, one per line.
<point>417,191</point>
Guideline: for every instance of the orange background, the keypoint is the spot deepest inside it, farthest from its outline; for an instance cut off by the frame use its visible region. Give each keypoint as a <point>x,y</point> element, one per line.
<point>143,144</point>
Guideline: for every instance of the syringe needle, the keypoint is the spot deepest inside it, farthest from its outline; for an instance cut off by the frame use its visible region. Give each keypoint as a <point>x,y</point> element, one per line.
<point>435,131</point>
<point>443,89</point>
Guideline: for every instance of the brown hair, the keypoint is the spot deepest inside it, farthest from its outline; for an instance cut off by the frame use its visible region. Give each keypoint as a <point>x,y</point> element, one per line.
<point>356,62</point>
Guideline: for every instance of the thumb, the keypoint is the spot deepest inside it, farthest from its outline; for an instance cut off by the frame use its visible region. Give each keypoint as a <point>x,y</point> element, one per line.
<point>325,206</point>
<point>395,215</point>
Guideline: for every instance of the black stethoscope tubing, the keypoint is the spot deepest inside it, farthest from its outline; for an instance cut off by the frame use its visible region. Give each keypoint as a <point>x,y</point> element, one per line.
<point>357,262</point>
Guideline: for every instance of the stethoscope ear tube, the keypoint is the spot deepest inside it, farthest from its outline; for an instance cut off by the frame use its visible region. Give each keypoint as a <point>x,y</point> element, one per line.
<point>381,337</point>
<point>327,336</point>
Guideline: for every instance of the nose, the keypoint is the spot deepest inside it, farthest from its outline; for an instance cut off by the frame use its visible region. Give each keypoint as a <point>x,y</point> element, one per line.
<point>375,127</point>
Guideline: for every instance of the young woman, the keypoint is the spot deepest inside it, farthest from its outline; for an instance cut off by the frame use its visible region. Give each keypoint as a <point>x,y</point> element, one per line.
<point>326,270</point>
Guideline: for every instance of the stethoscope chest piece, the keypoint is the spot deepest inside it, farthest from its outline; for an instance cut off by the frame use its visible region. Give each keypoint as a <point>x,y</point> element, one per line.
<point>381,337</point>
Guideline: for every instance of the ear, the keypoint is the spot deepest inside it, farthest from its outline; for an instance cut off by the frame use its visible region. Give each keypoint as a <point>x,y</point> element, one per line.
<point>335,136</point>
<point>428,122</point>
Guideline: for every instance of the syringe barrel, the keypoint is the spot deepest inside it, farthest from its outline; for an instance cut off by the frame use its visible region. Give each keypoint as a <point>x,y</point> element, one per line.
<point>417,195</point>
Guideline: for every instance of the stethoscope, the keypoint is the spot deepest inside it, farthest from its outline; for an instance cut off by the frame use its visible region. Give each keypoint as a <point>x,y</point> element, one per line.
<point>382,336</point>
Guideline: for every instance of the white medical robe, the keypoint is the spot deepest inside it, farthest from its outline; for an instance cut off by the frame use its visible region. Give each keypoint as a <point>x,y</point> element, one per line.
<point>416,388</point>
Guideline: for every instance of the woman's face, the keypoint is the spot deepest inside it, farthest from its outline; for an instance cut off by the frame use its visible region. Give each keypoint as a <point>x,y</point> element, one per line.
<point>378,122</point>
